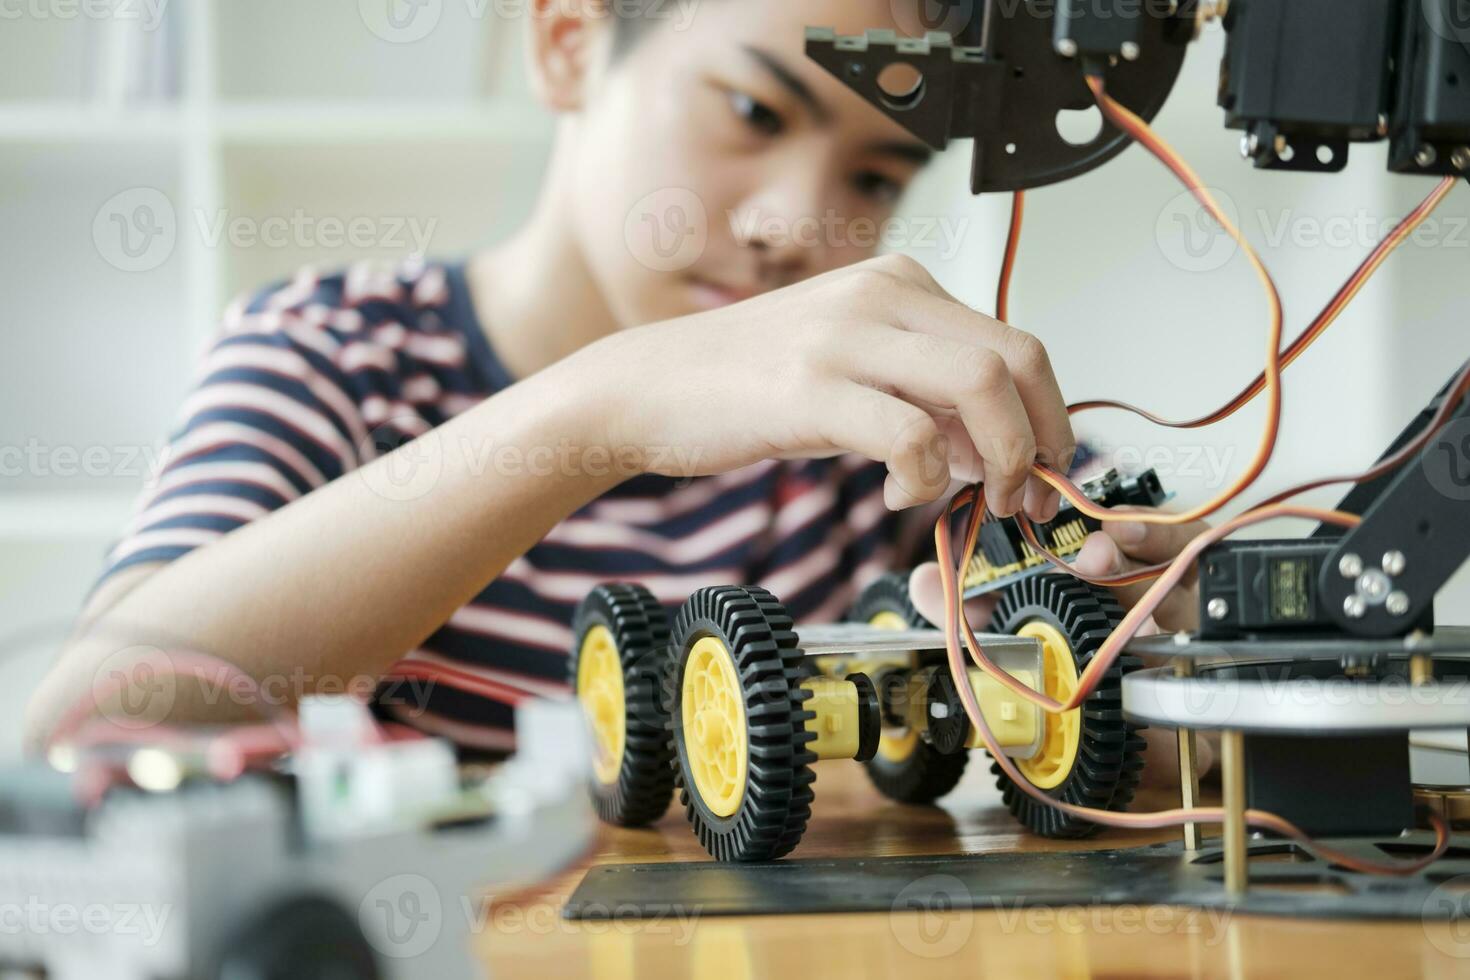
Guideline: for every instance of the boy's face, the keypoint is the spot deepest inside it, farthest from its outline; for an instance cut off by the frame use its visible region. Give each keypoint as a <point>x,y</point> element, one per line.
<point>716,162</point>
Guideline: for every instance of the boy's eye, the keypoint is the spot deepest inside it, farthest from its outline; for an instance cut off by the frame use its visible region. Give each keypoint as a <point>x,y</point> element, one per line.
<point>758,115</point>
<point>876,187</point>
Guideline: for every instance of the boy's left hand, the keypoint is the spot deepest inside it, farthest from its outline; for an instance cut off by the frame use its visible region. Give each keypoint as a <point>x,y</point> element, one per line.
<point>1124,546</point>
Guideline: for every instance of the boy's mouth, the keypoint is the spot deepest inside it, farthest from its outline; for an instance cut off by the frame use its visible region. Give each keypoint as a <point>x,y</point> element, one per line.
<point>711,295</point>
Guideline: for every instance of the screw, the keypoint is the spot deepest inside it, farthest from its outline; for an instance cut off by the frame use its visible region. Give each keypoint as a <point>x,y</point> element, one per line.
<point>1397,603</point>
<point>1461,158</point>
<point>1394,562</point>
<point>1350,565</point>
<point>1129,51</point>
<point>1382,124</point>
<point>1354,606</point>
<point>1426,155</point>
<point>1067,48</point>
<point>1217,609</point>
<point>1373,585</point>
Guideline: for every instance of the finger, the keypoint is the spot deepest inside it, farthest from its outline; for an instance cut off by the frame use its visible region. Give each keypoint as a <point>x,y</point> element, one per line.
<point>1100,556</point>
<point>886,429</point>
<point>1030,368</point>
<point>1155,543</point>
<point>973,380</point>
<point>926,591</point>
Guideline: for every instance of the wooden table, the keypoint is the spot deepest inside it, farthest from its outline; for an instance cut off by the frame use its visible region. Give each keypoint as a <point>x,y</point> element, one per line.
<point>526,936</point>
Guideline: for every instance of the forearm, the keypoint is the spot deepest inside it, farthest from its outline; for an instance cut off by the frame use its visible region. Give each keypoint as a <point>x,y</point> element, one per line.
<point>340,583</point>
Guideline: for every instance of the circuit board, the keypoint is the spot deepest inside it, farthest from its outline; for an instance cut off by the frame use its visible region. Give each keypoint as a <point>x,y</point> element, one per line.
<point>1004,556</point>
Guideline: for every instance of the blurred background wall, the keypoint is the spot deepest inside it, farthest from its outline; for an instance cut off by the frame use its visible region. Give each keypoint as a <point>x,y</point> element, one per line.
<point>144,153</point>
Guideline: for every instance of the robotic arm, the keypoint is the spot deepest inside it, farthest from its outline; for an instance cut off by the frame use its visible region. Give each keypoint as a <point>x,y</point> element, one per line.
<point>1302,79</point>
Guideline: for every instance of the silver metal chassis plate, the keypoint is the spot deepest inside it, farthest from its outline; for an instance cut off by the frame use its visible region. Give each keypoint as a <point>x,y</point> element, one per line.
<point>1444,640</point>
<point>1308,705</point>
<point>859,639</point>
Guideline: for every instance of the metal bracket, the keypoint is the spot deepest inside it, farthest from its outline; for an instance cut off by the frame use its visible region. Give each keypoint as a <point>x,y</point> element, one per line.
<point>1008,92</point>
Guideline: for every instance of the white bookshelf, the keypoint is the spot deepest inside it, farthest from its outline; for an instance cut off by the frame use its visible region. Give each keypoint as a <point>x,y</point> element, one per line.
<point>276,106</point>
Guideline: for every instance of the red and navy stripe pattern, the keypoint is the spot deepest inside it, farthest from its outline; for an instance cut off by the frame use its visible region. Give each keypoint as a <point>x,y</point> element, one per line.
<point>316,377</point>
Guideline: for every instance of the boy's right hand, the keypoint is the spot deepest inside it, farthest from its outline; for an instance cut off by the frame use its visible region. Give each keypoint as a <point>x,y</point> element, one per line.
<point>874,359</point>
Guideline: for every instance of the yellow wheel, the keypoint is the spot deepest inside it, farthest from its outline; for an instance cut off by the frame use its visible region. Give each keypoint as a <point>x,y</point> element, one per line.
<point>1053,761</point>
<point>1089,755</point>
<point>600,691</point>
<point>739,728</point>
<point>907,767</point>
<point>619,668</point>
<point>714,726</point>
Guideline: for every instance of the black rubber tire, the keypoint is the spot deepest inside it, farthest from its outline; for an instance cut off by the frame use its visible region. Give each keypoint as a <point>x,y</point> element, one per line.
<point>926,774</point>
<point>305,937</point>
<point>640,630</point>
<point>1110,754</point>
<point>758,632</point>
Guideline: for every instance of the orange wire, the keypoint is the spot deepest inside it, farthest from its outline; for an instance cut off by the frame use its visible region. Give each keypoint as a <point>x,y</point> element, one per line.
<point>1008,264</point>
<point>1325,319</point>
<point>1091,676</point>
<point>1124,119</point>
<point>1168,576</point>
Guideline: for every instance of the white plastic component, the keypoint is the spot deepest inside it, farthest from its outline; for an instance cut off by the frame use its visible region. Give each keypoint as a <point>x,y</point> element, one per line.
<point>352,784</point>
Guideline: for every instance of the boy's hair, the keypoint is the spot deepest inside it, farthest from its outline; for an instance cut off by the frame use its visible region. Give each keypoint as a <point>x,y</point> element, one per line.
<point>632,19</point>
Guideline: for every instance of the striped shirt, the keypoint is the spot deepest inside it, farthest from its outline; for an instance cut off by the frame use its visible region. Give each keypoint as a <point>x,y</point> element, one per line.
<point>316,377</point>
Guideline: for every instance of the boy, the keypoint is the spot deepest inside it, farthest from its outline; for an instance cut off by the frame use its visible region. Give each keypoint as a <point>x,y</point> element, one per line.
<point>365,452</point>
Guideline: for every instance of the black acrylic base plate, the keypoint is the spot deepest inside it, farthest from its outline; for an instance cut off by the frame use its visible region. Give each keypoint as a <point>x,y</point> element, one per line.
<point>1285,881</point>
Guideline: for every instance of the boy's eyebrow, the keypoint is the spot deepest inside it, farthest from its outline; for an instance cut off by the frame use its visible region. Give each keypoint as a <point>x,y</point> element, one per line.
<point>915,152</point>
<point>792,83</point>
